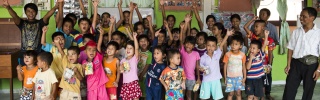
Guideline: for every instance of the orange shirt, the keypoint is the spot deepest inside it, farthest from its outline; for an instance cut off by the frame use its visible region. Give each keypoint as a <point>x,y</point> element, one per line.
<point>28,76</point>
<point>112,66</point>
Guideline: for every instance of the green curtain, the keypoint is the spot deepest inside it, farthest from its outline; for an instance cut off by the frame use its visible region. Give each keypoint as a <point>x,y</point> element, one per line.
<point>285,30</point>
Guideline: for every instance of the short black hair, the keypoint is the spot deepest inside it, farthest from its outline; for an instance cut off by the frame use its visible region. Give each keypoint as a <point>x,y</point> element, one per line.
<point>220,26</point>
<point>130,42</point>
<point>67,19</point>
<point>31,6</point>
<point>135,27</point>
<point>212,39</point>
<point>195,29</point>
<point>211,16</point>
<point>204,34</point>
<point>113,43</point>
<point>75,49</point>
<point>161,48</point>
<point>33,54</point>
<point>260,21</point>
<point>89,36</point>
<point>190,39</point>
<point>311,11</point>
<point>257,42</point>
<point>126,12</point>
<point>266,10</point>
<point>46,57</point>
<point>175,30</point>
<point>55,34</point>
<point>120,34</point>
<point>237,38</point>
<point>143,36</point>
<point>98,15</point>
<point>106,13</point>
<point>72,15</point>
<point>164,32</point>
<point>174,18</point>
<point>84,19</point>
<point>172,52</point>
<point>237,16</point>
<point>105,35</point>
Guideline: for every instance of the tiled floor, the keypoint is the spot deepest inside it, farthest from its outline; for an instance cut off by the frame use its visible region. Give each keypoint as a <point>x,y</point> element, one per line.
<point>277,91</point>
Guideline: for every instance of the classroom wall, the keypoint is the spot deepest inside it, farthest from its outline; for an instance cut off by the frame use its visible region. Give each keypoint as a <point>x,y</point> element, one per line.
<point>278,65</point>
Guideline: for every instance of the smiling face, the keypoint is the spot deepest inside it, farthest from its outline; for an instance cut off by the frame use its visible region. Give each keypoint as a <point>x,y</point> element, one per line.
<point>59,39</point>
<point>84,26</point>
<point>161,38</point>
<point>216,31</point>
<point>171,22</point>
<point>176,36</point>
<point>193,33</point>
<point>143,43</point>
<point>188,46</point>
<point>91,51</point>
<point>116,38</point>
<point>158,55</point>
<point>235,23</point>
<point>111,50</point>
<point>126,17</point>
<point>29,60</point>
<point>129,50</point>
<point>72,56</point>
<point>140,29</point>
<point>146,23</point>
<point>211,46</point>
<point>305,18</point>
<point>31,14</point>
<point>67,27</point>
<point>210,22</point>
<point>254,49</point>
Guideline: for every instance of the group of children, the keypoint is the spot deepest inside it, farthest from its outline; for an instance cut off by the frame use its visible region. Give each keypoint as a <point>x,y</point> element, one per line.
<point>99,63</point>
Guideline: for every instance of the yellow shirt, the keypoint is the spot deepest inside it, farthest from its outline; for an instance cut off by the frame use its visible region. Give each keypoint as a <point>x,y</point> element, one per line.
<point>106,30</point>
<point>123,30</point>
<point>73,83</point>
<point>56,64</point>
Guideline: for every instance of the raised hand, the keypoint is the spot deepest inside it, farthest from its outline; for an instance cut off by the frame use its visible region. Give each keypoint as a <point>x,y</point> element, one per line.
<point>135,34</point>
<point>19,68</point>
<point>157,33</point>
<point>149,18</point>
<point>182,26</point>
<point>120,3</point>
<point>135,5</point>
<point>45,29</point>
<point>230,32</point>
<point>131,6</point>
<point>255,18</point>
<point>166,24</point>
<point>101,30</point>
<point>5,4</point>
<point>95,3</point>
<point>161,2</point>
<point>112,20</point>
<point>187,18</point>
<point>266,33</point>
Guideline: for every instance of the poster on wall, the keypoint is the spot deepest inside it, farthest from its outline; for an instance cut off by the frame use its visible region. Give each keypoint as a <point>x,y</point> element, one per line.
<point>225,18</point>
<point>73,6</point>
<point>181,4</point>
<point>125,3</point>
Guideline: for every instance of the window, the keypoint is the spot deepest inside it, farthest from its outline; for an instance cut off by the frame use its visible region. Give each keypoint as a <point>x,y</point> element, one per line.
<point>294,9</point>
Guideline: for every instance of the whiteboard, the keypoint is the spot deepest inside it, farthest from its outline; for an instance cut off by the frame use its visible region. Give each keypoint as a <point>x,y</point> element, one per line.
<point>115,12</point>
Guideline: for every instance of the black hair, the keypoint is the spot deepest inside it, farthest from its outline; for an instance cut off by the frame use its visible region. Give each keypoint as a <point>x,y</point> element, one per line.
<point>204,34</point>
<point>266,10</point>
<point>161,48</point>
<point>67,19</point>
<point>89,36</point>
<point>55,34</point>
<point>135,27</point>
<point>105,35</point>
<point>210,16</point>
<point>98,15</point>
<point>126,12</point>
<point>143,37</point>
<point>33,54</point>
<point>113,43</point>
<point>106,13</point>
<point>257,42</point>
<point>130,42</point>
<point>220,26</point>
<point>84,19</point>
<point>170,54</point>
<point>237,38</point>
<point>164,32</point>
<point>120,34</point>
<point>175,30</point>
<point>69,15</point>
<point>212,39</point>
<point>311,11</point>
<point>174,18</point>
<point>237,16</point>
<point>75,49</point>
<point>31,6</point>
<point>190,39</point>
<point>46,57</point>
<point>195,29</point>
<point>260,21</point>
<point>236,34</point>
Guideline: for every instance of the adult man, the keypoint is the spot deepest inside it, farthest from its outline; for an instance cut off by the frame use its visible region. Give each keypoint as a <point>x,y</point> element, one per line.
<point>303,53</point>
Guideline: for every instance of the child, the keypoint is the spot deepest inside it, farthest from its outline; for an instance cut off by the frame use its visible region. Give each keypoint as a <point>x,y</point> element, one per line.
<point>176,39</point>
<point>201,43</point>
<point>149,29</point>
<point>111,66</point>
<point>235,21</point>
<point>173,77</point>
<point>86,38</point>
<point>96,78</point>
<point>74,19</point>
<point>58,39</point>
<point>194,32</point>
<point>170,19</point>
<point>130,88</point>
<point>190,59</point>
<point>45,81</point>
<point>153,84</point>
<point>254,82</point>
<point>210,66</point>
<point>105,21</point>
<point>234,68</point>
<point>26,74</point>
<point>210,21</point>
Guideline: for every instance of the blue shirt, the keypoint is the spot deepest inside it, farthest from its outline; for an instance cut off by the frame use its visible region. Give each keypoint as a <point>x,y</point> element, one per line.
<point>69,38</point>
<point>153,74</point>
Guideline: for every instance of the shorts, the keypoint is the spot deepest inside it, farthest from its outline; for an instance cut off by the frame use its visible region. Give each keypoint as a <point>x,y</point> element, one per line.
<point>27,95</point>
<point>234,84</point>
<point>130,90</point>
<point>211,88</point>
<point>112,92</point>
<point>255,87</point>
<point>97,94</point>
<point>68,95</point>
<point>174,94</point>
<point>143,86</point>
<point>190,84</point>
<point>154,93</point>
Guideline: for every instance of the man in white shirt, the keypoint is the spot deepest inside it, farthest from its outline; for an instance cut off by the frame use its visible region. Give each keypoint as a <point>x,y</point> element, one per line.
<point>304,42</point>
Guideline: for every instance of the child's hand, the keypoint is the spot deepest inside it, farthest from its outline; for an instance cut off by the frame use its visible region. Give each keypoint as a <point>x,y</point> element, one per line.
<point>198,81</point>
<point>243,82</point>
<point>112,20</point>
<point>182,26</point>
<point>135,5</point>
<point>6,4</point>
<point>115,84</point>
<point>120,3</point>
<point>101,30</point>
<point>161,2</point>
<point>18,68</point>
<point>131,6</point>
<point>135,34</point>
<point>149,18</point>
<point>266,33</point>
<point>121,68</point>
<point>75,69</point>
<point>187,18</point>
<point>183,85</point>
<point>251,56</point>
<point>95,3</point>
<point>255,18</point>
<point>166,87</point>
<point>230,32</point>
<point>157,33</point>
<point>45,29</point>
<point>225,81</point>
<point>165,24</point>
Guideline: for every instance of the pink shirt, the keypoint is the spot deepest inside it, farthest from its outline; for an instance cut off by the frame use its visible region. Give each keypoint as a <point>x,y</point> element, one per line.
<point>189,61</point>
<point>132,74</point>
<point>98,78</point>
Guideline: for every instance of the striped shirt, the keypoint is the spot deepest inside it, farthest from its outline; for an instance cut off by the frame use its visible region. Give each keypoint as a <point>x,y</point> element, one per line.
<point>256,71</point>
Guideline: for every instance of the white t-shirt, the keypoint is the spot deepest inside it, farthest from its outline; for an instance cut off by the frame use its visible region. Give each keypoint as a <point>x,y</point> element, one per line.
<point>43,82</point>
<point>209,32</point>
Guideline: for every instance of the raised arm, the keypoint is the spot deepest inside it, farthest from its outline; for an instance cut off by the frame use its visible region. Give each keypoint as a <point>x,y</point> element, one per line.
<point>112,22</point>
<point>57,44</point>
<point>196,13</point>
<point>183,28</point>
<point>43,37</point>
<point>164,16</point>
<point>138,12</point>
<point>121,15</point>
<point>265,42</point>
<point>224,41</point>
<point>19,73</point>
<point>83,10</point>
<point>136,45</point>
<point>169,33</point>
<point>13,14</point>
<point>131,14</point>
<point>100,39</point>
<point>95,13</point>
<point>149,18</point>
<point>129,33</point>
<point>181,34</point>
<point>246,26</point>
<point>59,16</point>
<point>46,17</point>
